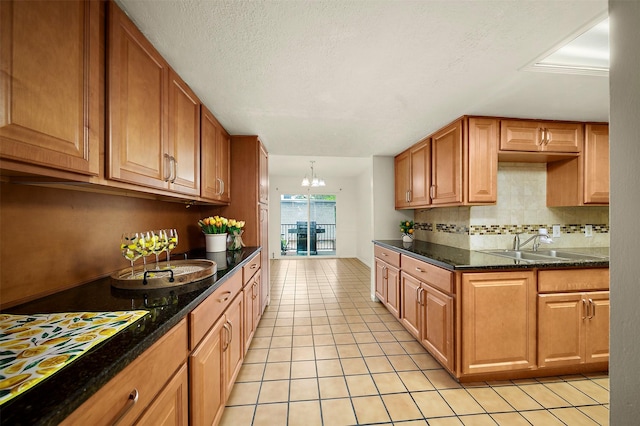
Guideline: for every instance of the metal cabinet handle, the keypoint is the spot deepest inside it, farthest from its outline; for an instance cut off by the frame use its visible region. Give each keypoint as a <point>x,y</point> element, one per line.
<point>167,171</point>
<point>541,141</point>
<point>432,191</point>
<point>131,401</point>
<point>175,169</point>
<point>585,309</point>
<point>548,137</point>
<point>227,340</point>
<point>221,186</point>
<point>384,254</point>
<point>254,266</point>
<point>226,297</point>
<point>418,269</point>
<point>592,310</point>
<point>253,289</point>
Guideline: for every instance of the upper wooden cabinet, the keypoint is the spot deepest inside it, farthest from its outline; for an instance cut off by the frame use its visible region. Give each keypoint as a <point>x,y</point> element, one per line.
<point>153,116</point>
<point>412,176</point>
<point>50,72</point>
<point>215,149</point>
<point>263,175</point>
<point>446,165</point>
<point>536,136</point>
<point>583,180</point>
<point>458,165</point>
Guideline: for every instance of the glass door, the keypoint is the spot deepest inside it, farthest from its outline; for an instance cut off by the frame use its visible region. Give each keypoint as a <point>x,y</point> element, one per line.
<point>307,224</point>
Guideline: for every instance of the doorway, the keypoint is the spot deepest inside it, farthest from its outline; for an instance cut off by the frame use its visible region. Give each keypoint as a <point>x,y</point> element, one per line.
<point>307,225</point>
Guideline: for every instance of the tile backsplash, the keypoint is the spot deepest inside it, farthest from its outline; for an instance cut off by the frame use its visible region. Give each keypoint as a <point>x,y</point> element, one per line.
<point>521,207</point>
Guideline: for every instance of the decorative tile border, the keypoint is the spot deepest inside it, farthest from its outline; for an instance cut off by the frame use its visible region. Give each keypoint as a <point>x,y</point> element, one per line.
<point>453,228</point>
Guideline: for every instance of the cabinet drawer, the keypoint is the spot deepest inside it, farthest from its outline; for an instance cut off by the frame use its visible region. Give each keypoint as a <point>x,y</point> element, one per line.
<point>434,276</point>
<point>573,280</point>
<point>249,270</point>
<point>387,255</point>
<point>147,375</point>
<point>201,319</point>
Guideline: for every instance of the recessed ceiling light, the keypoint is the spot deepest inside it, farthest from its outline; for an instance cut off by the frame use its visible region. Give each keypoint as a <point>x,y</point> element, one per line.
<point>586,53</point>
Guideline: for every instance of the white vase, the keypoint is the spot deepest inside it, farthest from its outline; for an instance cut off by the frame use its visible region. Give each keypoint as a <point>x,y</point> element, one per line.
<point>215,242</point>
<point>406,238</point>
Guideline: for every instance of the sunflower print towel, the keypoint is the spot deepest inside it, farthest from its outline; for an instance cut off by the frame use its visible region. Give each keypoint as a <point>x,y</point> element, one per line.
<point>33,347</point>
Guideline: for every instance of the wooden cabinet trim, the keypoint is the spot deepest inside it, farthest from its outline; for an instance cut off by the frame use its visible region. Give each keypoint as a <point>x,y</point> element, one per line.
<point>567,280</point>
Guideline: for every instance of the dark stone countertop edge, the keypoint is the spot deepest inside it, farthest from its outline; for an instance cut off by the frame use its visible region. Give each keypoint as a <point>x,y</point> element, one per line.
<point>45,405</point>
<point>457,259</point>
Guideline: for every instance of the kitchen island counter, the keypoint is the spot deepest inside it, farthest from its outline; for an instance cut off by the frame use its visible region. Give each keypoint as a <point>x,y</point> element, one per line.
<point>55,398</point>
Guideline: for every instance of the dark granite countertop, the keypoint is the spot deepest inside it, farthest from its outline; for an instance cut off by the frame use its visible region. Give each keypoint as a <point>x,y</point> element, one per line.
<point>56,397</point>
<point>456,259</point>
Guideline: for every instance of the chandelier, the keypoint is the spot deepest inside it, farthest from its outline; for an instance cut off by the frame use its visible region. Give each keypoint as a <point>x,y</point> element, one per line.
<point>315,181</point>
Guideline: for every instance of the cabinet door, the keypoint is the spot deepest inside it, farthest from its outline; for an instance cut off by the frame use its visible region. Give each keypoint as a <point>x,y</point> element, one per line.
<point>483,160</point>
<point>560,335</point>
<point>171,406</point>
<point>251,309</point>
<point>215,151</point>
<point>420,174</point>
<point>446,165</point>
<point>562,137</point>
<point>50,77</point>
<point>381,281</point>
<point>517,135</point>
<point>223,169</point>
<point>437,324</point>
<point>184,137</point>
<point>206,377</point>
<point>263,174</point>
<point>402,176</point>
<point>597,331</point>
<point>265,290</point>
<point>596,164</point>
<point>392,286</point>
<point>137,101</point>
<point>498,321</point>
<point>233,349</point>
<point>409,306</point>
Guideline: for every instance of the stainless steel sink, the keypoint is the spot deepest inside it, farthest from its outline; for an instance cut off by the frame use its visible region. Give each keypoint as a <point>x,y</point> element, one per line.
<point>570,255</point>
<point>545,256</point>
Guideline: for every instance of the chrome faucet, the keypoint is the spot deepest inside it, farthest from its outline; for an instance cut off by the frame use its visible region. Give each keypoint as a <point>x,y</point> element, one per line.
<point>540,237</point>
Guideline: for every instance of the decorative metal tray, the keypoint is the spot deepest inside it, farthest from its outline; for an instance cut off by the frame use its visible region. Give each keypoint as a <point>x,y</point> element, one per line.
<point>181,272</point>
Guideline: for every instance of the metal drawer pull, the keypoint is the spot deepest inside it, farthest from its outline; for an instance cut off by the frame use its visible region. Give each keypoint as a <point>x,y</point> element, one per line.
<point>131,401</point>
<point>418,269</point>
<point>225,298</point>
<point>593,309</point>
<point>254,266</point>
<point>585,309</point>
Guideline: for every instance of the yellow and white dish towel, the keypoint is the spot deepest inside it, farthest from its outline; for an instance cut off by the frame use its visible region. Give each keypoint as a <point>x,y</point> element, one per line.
<point>33,347</point>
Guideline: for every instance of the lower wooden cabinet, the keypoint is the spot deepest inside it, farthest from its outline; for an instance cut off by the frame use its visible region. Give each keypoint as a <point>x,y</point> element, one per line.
<point>171,407</point>
<point>584,334</point>
<point>141,387</point>
<point>214,366</point>
<point>437,324</point>
<point>498,311</point>
<point>206,377</point>
<point>427,312</point>
<point>388,286</point>
<point>252,311</point>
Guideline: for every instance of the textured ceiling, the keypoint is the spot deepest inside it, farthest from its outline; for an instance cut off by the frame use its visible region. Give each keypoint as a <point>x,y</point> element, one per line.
<point>359,78</point>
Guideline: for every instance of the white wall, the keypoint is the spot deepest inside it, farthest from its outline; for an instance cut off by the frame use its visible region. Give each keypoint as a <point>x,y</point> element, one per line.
<point>624,134</point>
<point>365,214</point>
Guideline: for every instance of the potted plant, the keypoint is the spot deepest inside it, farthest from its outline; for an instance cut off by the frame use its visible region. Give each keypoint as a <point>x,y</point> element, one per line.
<point>406,227</point>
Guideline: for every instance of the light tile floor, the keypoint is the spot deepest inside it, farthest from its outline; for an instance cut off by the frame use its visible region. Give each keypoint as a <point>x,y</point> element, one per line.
<point>325,354</point>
